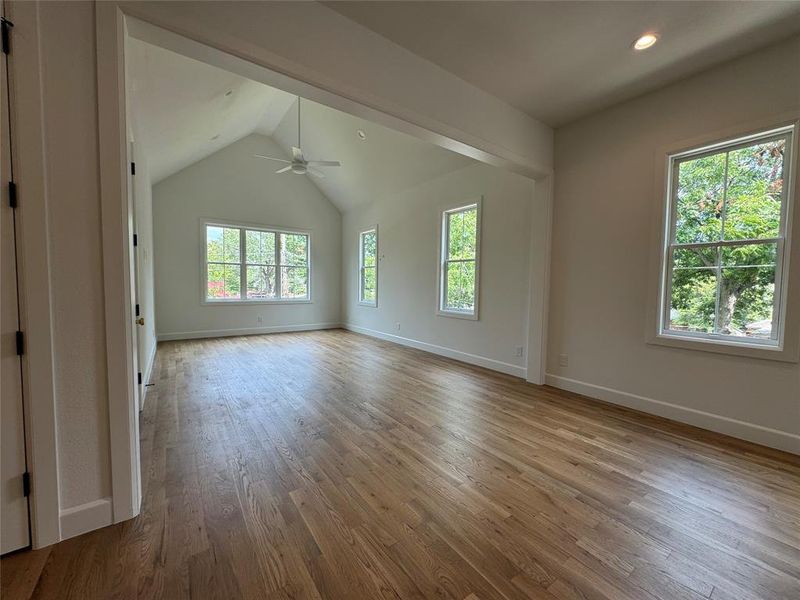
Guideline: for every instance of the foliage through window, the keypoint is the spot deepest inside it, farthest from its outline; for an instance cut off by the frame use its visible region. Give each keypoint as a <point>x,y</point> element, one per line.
<point>368,267</point>
<point>458,282</point>
<point>726,240</point>
<point>273,265</point>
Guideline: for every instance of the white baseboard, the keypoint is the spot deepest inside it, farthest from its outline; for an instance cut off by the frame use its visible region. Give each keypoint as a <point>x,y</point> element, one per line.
<point>214,333</point>
<point>782,440</point>
<point>86,517</point>
<point>472,359</point>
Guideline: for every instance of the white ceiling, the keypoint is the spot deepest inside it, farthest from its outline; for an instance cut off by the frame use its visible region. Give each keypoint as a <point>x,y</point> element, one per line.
<point>558,61</point>
<point>180,104</point>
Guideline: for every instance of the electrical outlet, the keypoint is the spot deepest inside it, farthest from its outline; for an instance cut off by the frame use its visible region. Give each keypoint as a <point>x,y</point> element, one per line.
<point>397,326</point>
<point>518,351</point>
<point>563,360</point>
<point>259,319</point>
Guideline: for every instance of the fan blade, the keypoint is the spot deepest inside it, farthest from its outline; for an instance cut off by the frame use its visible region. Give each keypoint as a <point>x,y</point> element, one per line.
<point>283,160</point>
<point>325,163</point>
<point>297,154</point>
<point>284,169</point>
<point>316,173</point>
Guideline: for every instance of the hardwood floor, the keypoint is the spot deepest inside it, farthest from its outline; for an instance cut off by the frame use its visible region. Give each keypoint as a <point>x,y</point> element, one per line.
<point>332,465</point>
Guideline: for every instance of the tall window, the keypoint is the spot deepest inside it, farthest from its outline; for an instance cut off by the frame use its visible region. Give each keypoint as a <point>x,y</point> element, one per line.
<point>459,261</point>
<point>368,267</point>
<point>273,265</point>
<point>723,276</point>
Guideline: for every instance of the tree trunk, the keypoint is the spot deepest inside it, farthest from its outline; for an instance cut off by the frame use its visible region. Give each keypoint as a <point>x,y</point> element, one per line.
<point>727,303</point>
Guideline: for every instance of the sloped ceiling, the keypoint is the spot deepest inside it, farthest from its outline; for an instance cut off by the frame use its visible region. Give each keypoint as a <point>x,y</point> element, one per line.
<point>558,61</point>
<point>185,110</point>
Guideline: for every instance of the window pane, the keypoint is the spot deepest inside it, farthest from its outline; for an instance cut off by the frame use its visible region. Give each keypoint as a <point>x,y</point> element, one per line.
<point>230,245</point>
<point>223,281</point>
<point>369,248</point>
<point>216,281</point>
<point>699,199</point>
<point>755,187</point>
<point>294,282</point>
<point>460,279</point>
<point>260,247</point>
<point>694,258</point>
<point>214,244</point>
<point>261,283</point>
<point>368,284</point>
<point>746,297</point>
<point>694,298</point>
<point>294,247</point>
<point>462,232</point>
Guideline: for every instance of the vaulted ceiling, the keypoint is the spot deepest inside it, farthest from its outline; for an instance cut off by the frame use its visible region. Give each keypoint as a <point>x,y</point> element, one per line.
<point>185,110</point>
<point>558,61</point>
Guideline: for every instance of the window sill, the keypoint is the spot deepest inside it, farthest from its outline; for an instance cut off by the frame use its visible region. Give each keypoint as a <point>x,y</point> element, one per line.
<point>249,302</point>
<point>457,315</point>
<point>369,304</point>
<point>757,350</point>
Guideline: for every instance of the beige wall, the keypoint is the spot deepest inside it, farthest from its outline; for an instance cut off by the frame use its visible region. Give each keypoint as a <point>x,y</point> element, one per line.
<point>70,118</point>
<point>233,185</point>
<point>604,203</point>
<point>408,233</point>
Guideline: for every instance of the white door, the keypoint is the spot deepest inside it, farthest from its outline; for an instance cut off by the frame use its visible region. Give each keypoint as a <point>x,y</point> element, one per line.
<point>14,529</point>
<point>138,327</point>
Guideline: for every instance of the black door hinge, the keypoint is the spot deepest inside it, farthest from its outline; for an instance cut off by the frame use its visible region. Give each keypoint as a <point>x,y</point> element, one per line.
<point>12,194</point>
<point>140,379</point>
<point>26,484</point>
<point>135,240</point>
<point>6,34</point>
<point>133,168</point>
<point>20,338</point>
<point>137,310</point>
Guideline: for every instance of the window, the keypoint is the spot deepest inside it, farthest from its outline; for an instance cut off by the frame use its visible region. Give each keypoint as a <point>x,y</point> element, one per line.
<point>725,244</point>
<point>368,267</point>
<point>459,261</point>
<point>273,265</point>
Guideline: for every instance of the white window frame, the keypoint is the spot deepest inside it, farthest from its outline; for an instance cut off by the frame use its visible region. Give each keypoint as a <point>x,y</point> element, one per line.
<point>243,228</point>
<point>441,295</point>
<point>786,324</point>
<point>361,267</point>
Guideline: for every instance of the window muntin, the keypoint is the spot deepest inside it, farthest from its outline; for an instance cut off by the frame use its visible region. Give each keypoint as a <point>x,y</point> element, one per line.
<point>274,265</point>
<point>458,277</point>
<point>724,252</point>
<point>368,267</point>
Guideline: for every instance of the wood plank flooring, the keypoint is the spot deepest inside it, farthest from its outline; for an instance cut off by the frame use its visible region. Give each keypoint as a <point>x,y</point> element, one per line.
<point>332,465</point>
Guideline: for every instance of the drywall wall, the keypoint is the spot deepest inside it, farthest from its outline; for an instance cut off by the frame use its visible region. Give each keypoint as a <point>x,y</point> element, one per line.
<point>76,275</point>
<point>233,185</point>
<point>408,233</point>
<point>602,239</point>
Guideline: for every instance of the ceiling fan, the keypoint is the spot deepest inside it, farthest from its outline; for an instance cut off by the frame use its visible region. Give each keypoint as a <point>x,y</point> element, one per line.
<point>299,163</point>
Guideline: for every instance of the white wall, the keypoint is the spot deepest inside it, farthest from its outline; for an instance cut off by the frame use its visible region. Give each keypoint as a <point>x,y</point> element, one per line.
<point>76,275</point>
<point>408,229</point>
<point>233,185</point>
<point>604,203</point>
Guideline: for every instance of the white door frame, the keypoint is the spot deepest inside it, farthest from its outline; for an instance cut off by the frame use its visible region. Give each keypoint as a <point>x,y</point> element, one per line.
<point>113,21</point>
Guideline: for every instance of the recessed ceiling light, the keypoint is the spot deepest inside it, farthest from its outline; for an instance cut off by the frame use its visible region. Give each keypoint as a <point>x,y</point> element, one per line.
<point>362,135</point>
<point>644,42</point>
